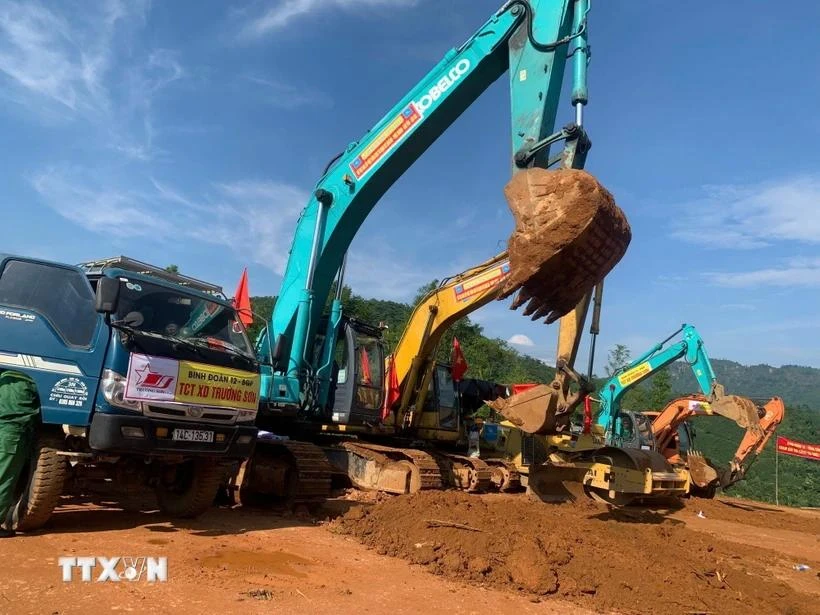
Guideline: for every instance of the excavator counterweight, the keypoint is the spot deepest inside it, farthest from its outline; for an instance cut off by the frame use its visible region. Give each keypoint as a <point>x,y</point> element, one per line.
<point>569,234</point>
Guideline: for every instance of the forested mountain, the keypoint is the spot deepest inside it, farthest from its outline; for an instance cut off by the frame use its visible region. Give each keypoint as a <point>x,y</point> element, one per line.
<point>795,384</point>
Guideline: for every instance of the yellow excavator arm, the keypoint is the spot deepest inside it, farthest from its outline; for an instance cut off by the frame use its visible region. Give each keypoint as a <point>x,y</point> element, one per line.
<point>546,409</point>
<point>413,359</point>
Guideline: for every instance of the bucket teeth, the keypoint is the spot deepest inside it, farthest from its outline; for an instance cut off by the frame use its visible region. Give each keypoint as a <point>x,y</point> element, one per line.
<point>520,299</point>
<point>542,311</point>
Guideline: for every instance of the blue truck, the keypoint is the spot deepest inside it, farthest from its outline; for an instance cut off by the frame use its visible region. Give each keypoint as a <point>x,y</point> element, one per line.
<point>145,378</point>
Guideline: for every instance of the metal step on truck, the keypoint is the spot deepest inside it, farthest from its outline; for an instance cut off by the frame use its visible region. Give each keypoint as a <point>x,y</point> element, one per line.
<point>145,378</point>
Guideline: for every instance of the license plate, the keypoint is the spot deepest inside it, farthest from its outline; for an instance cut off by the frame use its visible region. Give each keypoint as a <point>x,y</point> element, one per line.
<point>192,435</point>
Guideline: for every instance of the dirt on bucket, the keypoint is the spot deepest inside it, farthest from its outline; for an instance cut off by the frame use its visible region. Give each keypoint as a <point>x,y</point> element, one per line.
<point>569,234</point>
<point>627,561</point>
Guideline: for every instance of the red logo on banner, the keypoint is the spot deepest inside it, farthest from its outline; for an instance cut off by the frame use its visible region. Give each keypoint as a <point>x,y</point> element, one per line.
<point>787,446</point>
<point>147,378</point>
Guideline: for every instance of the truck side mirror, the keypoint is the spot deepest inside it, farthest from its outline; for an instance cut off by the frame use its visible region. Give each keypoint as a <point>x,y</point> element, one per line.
<point>108,294</point>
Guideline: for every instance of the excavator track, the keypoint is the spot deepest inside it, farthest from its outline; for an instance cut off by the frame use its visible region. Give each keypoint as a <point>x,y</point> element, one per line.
<point>313,472</point>
<point>297,473</point>
<point>426,470</point>
<point>505,476</point>
<point>469,473</point>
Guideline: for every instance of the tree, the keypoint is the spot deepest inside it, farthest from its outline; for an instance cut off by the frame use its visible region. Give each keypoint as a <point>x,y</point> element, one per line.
<point>661,391</point>
<point>172,269</point>
<point>619,357</point>
<point>425,290</point>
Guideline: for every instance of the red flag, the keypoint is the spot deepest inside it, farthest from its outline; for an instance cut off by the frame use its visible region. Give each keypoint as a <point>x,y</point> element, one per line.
<point>393,393</point>
<point>366,376</point>
<point>458,362</point>
<point>242,300</point>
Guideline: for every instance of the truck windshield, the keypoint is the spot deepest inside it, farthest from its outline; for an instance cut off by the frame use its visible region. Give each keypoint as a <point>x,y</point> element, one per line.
<point>166,312</point>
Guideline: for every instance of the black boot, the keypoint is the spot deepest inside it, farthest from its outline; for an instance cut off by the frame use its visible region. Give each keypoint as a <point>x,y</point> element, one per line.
<point>4,533</point>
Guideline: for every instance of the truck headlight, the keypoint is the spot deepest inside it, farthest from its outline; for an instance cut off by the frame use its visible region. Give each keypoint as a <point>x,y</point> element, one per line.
<point>113,390</point>
<point>245,416</point>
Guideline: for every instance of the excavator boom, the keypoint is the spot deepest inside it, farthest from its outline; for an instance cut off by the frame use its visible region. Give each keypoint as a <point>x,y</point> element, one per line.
<point>569,233</point>
<point>413,358</point>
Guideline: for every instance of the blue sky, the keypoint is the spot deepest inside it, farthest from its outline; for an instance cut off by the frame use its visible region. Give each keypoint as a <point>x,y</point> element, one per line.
<point>191,133</point>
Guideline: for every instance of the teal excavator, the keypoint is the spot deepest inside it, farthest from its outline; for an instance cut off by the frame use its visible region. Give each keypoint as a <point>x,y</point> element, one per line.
<point>322,372</point>
<point>690,348</point>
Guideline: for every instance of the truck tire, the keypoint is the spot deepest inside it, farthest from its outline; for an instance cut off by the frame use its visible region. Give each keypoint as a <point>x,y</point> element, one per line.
<point>193,489</point>
<point>41,486</point>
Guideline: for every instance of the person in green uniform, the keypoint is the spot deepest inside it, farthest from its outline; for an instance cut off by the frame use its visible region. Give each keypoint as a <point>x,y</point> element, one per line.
<point>19,409</point>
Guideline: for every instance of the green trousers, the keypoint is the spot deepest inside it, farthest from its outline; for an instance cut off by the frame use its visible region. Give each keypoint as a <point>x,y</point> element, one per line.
<point>19,407</point>
<point>15,449</point>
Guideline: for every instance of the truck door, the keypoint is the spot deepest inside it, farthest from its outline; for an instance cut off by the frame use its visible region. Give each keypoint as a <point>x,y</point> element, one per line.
<point>50,330</point>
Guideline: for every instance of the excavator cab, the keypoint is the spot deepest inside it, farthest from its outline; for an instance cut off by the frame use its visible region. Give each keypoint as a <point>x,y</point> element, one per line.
<point>357,388</point>
<point>443,398</point>
<point>635,431</point>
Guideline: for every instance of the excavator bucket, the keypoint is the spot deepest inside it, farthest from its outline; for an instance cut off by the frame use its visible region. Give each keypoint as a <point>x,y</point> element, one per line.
<point>533,411</point>
<point>703,475</point>
<point>741,410</point>
<point>569,234</point>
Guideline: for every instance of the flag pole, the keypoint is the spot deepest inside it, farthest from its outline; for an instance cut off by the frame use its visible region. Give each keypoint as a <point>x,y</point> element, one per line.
<point>776,475</point>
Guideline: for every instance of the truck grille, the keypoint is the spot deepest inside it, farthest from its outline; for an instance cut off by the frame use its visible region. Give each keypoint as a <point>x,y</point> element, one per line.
<point>189,413</point>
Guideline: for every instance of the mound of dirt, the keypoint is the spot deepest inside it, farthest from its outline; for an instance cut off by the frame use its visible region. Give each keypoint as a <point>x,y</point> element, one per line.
<point>626,561</point>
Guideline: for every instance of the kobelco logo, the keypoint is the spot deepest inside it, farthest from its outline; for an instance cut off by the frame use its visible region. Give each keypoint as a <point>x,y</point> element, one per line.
<point>444,84</point>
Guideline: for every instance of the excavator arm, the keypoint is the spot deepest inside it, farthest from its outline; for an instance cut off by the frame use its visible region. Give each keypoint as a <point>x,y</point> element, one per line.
<point>413,359</point>
<point>546,409</point>
<point>754,441</point>
<point>665,427</point>
<point>692,349</point>
<point>569,233</point>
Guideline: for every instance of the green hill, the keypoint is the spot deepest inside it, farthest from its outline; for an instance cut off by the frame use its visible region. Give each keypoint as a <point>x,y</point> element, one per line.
<point>797,385</point>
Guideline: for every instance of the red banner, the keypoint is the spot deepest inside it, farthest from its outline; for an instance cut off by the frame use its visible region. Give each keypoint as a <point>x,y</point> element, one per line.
<point>787,446</point>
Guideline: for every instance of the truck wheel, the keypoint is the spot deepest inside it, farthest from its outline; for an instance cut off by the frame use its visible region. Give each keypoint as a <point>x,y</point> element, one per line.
<point>192,489</point>
<point>40,486</point>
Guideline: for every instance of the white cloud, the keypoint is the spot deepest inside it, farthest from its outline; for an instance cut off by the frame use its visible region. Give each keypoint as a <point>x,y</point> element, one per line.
<point>795,273</point>
<point>77,65</point>
<point>254,219</point>
<point>286,96</point>
<point>753,216</point>
<point>249,217</point>
<point>279,13</point>
<point>519,339</point>
<point>73,194</point>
